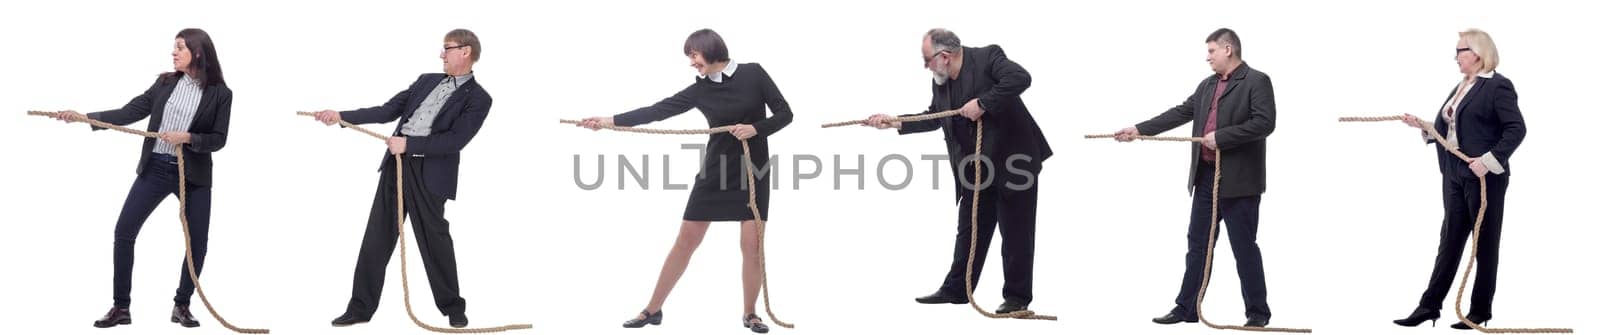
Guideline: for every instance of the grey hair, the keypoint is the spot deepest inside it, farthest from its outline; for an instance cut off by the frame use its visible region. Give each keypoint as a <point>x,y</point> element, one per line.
<point>943,40</point>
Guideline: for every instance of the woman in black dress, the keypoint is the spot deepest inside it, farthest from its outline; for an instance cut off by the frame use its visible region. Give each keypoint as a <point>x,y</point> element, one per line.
<point>727,94</point>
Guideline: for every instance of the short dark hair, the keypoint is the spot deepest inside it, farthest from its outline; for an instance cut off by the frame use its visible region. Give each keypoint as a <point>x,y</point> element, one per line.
<point>708,43</point>
<point>1227,37</point>
<point>467,38</point>
<point>202,58</point>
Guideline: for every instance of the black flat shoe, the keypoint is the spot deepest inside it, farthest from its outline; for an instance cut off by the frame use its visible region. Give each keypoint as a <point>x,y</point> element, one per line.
<point>350,319</point>
<point>1009,307</point>
<point>117,316</point>
<point>458,320</point>
<point>942,298</point>
<point>645,318</point>
<point>754,323</point>
<point>1172,318</point>
<point>1418,316</point>
<point>1255,321</point>
<point>1481,321</point>
<point>181,316</point>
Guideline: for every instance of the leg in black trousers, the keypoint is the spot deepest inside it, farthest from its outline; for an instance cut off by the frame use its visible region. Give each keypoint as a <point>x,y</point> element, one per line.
<point>1017,213</point>
<point>955,280</point>
<point>1461,201</point>
<point>158,181</point>
<point>433,238</point>
<point>1241,216</point>
<point>1013,212</point>
<point>199,213</point>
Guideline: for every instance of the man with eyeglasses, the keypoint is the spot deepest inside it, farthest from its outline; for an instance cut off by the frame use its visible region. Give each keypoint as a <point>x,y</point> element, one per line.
<point>983,84</point>
<point>439,113</point>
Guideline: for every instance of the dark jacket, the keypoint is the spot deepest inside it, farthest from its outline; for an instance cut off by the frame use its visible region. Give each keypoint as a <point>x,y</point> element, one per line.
<point>208,132</point>
<point>1246,114</point>
<point>1009,129</point>
<point>1488,121</point>
<point>458,121</point>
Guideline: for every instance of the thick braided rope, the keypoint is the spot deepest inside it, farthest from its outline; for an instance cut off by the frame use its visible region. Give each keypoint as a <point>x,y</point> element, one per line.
<point>1483,206</point>
<point>755,210</point>
<point>972,246</point>
<point>400,221</point>
<point>1211,241</point>
<point>183,217</point>
<point>912,118</point>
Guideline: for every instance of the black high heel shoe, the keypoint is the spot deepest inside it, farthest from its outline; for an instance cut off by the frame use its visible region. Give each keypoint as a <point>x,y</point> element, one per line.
<point>754,323</point>
<point>1481,321</point>
<point>647,319</point>
<point>1419,315</point>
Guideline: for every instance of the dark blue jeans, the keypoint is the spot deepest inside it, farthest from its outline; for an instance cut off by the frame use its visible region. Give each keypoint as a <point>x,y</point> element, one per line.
<point>1240,215</point>
<point>159,180</point>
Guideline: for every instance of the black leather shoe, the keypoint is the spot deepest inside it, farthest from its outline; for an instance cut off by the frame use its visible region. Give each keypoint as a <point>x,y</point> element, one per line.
<point>458,320</point>
<point>942,298</point>
<point>181,316</point>
<point>350,319</point>
<point>117,316</point>
<point>1418,316</point>
<point>645,318</point>
<point>1255,321</point>
<point>1008,307</point>
<point>1172,318</point>
<point>754,323</point>
<point>1481,321</point>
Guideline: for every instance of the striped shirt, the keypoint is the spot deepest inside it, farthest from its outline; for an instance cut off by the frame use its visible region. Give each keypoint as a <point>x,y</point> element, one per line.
<point>179,112</point>
<point>421,122</point>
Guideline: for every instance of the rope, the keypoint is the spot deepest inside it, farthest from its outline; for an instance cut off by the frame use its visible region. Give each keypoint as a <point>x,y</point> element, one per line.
<point>972,246</point>
<point>1483,206</point>
<point>1211,240</point>
<point>183,217</point>
<point>755,211</point>
<point>400,221</point>
<point>913,118</point>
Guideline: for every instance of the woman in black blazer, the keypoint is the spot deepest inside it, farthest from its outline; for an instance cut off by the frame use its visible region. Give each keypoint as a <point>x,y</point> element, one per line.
<point>728,94</point>
<point>1481,117</point>
<point>189,108</point>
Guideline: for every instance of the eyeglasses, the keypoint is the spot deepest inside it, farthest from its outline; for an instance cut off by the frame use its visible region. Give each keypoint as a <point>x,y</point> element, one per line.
<point>1461,50</point>
<point>928,60</point>
<point>448,47</point>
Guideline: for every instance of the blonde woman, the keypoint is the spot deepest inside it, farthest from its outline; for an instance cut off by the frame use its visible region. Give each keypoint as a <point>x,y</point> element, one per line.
<point>1481,117</point>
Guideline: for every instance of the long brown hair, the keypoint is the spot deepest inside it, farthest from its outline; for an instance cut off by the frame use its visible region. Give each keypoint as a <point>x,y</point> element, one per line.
<point>202,58</point>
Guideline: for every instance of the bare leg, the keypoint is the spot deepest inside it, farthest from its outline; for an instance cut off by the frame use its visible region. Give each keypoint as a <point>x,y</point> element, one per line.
<point>689,236</point>
<point>752,267</point>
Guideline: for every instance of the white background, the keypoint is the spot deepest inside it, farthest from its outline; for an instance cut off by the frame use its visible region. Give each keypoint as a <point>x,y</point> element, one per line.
<point>1349,224</point>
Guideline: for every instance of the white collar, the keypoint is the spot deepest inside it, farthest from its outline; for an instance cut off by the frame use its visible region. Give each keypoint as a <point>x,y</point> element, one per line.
<point>1486,75</point>
<point>727,71</point>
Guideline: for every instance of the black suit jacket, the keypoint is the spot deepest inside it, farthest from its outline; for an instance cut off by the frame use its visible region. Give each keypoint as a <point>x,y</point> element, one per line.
<point>458,121</point>
<point>1246,114</point>
<point>1488,121</point>
<point>1008,128</point>
<point>208,132</point>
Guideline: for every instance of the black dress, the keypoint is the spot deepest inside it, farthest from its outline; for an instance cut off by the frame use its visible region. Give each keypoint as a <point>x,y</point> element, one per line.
<point>743,97</point>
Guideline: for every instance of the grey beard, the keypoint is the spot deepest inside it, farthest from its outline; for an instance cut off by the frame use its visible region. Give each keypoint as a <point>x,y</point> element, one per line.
<point>939,78</point>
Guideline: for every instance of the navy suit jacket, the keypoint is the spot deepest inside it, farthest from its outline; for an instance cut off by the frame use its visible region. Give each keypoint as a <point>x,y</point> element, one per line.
<point>458,121</point>
<point>208,132</point>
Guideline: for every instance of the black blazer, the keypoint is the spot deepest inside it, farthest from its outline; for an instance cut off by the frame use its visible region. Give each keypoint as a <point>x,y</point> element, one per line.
<point>208,132</point>
<point>1009,129</point>
<point>458,121</point>
<point>1246,114</point>
<point>1487,121</point>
